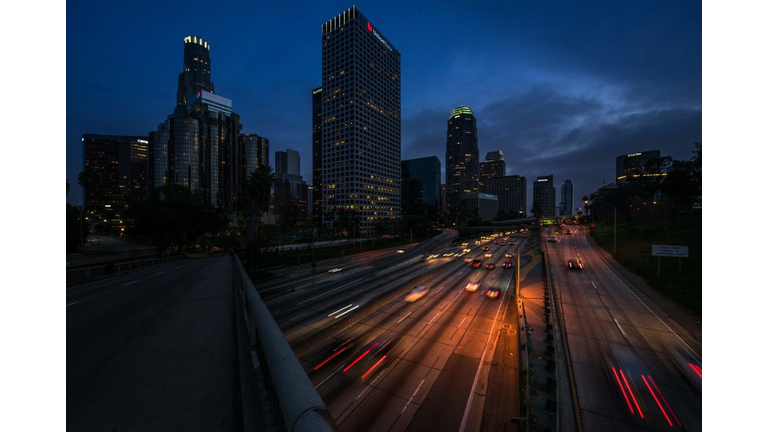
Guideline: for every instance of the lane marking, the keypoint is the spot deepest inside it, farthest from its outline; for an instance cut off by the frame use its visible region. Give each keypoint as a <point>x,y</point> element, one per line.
<point>130,283</point>
<point>72,303</point>
<point>401,319</point>
<point>334,313</point>
<point>327,292</point>
<point>462,321</point>
<point>433,318</point>
<point>371,383</point>
<point>339,316</point>
<point>412,396</point>
<point>160,273</point>
<point>621,329</point>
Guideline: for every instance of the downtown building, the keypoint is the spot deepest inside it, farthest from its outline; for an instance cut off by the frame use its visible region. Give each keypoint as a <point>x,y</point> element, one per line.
<point>122,165</point>
<point>512,195</point>
<point>461,157</point>
<point>566,198</point>
<point>421,186</point>
<point>361,123</point>
<point>199,145</point>
<point>633,165</point>
<point>544,193</point>
<point>494,166</point>
<point>291,191</point>
<point>317,156</point>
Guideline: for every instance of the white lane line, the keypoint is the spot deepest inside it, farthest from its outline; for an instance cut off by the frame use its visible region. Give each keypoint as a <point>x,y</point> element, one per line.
<point>131,283</point>
<point>621,329</point>
<point>462,321</point>
<point>412,396</point>
<point>371,384</point>
<point>334,313</point>
<point>401,319</point>
<point>160,273</point>
<point>341,315</point>
<point>327,292</point>
<point>72,303</point>
<point>433,318</point>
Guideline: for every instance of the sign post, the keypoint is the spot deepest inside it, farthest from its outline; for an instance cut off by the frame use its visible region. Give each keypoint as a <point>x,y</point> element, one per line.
<point>671,251</point>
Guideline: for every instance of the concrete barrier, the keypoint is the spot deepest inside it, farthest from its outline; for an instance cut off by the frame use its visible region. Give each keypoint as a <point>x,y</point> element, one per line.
<point>111,267</point>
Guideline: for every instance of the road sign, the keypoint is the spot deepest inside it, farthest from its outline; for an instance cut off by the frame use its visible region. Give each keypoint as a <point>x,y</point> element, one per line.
<point>670,251</point>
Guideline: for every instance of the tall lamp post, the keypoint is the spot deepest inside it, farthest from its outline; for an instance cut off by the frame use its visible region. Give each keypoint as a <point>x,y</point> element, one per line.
<point>614,220</point>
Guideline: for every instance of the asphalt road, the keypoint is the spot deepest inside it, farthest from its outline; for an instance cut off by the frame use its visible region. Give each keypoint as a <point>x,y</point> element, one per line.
<point>636,357</point>
<point>153,349</point>
<point>413,366</point>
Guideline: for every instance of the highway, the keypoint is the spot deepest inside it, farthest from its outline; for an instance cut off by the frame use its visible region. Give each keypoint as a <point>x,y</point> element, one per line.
<point>636,358</point>
<point>411,365</point>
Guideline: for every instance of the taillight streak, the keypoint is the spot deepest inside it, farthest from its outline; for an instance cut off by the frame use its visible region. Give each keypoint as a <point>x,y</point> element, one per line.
<point>695,369</point>
<point>657,400</point>
<point>329,358</point>
<point>664,400</point>
<point>631,394</point>
<point>361,356</point>
<point>629,404</point>
<point>374,367</point>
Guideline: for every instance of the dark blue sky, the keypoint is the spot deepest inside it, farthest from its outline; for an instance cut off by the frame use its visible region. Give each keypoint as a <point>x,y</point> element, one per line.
<point>561,87</point>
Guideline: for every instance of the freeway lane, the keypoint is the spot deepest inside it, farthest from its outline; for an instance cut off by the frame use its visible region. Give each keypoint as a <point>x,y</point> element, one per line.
<point>135,340</point>
<point>636,367</point>
<point>412,366</point>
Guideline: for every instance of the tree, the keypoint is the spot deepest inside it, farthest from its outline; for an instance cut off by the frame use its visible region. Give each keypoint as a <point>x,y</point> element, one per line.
<point>257,199</point>
<point>89,179</point>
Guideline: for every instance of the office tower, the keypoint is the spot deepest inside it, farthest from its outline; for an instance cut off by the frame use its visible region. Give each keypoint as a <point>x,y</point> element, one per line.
<point>443,199</point>
<point>291,191</point>
<point>317,155</point>
<point>494,166</point>
<point>287,162</point>
<point>461,156</point>
<point>486,205</point>
<point>197,145</point>
<point>253,152</point>
<point>633,165</point>
<point>421,186</point>
<point>566,198</point>
<point>544,193</point>
<point>122,165</point>
<point>360,121</point>
<point>196,75</point>
<point>512,195</point>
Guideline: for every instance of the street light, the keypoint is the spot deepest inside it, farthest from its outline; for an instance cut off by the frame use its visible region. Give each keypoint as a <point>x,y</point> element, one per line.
<point>614,221</point>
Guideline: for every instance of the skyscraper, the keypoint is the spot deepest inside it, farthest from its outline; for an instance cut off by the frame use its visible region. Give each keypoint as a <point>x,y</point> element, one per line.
<point>317,155</point>
<point>461,156</point>
<point>544,193</point>
<point>287,162</point>
<point>360,120</point>
<point>122,164</point>
<point>253,152</point>
<point>566,198</point>
<point>633,165</point>
<point>494,166</point>
<point>421,186</point>
<point>197,145</point>
<point>290,187</point>
<point>512,195</point>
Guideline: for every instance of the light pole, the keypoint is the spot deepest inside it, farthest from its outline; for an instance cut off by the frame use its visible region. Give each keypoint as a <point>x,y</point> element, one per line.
<point>614,221</point>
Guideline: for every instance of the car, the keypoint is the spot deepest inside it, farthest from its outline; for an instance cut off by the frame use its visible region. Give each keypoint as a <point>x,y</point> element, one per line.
<point>568,232</point>
<point>503,243</point>
<point>488,255</point>
<point>400,251</point>
<point>336,270</point>
<point>473,286</point>
<point>449,254</point>
<point>512,243</point>
<point>416,293</point>
<point>467,260</point>
<point>575,264</point>
<point>486,248</point>
<point>465,244</point>
<point>475,263</point>
<point>467,250</point>
<point>497,242</point>
<point>508,255</point>
<point>507,264</point>
<point>552,239</point>
<point>493,293</point>
<point>490,266</point>
<point>433,256</point>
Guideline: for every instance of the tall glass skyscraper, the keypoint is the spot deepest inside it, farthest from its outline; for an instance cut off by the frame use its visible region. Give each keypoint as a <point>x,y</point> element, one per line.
<point>461,156</point>
<point>544,192</point>
<point>253,152</point>
<point>196,75</point>
<point>317,155</point>
<point>360,120</point>
<point>566,198</point>
<point>421,186</point>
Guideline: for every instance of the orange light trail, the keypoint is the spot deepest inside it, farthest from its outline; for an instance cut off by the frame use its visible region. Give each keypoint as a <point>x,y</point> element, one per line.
<point>657,400</point>
<point>374,367</point>
<point>329,358</point>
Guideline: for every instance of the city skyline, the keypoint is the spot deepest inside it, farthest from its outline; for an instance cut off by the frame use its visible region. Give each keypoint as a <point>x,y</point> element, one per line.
<point>552,106</point>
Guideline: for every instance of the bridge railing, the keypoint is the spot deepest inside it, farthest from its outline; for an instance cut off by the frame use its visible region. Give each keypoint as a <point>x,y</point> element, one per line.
<point>291,397</point>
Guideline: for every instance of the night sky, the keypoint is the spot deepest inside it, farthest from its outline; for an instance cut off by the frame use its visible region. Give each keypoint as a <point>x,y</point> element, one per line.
<point>560,87</point>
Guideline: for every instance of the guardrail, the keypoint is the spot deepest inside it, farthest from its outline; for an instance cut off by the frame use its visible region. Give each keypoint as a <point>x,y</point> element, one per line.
<point>524,342</point>
<point>83,273</point>
<point>291,397</point>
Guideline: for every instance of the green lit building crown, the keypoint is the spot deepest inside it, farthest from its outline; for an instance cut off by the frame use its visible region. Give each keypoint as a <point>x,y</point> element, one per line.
<point>461,110</point>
